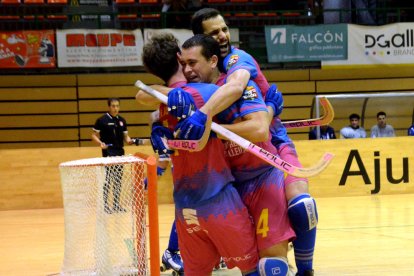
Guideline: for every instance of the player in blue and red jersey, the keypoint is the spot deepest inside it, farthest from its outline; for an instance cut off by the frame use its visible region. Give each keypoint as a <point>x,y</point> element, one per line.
<point>211,219</point>
<point>259,184</point>
<point>240,67</point>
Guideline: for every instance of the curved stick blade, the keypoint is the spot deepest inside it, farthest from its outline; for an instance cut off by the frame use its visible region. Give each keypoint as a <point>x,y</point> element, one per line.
<point>328,116</point>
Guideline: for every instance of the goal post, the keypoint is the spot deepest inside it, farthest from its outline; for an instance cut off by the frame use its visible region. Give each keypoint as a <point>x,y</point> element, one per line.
<point>106,211</point>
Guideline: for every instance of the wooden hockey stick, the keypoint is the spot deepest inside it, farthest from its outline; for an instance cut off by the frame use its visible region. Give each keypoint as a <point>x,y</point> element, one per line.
<point>266,156</point>
<point>328,115</point>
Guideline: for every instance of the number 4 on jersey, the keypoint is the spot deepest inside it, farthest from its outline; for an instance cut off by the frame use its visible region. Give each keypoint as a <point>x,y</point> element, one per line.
<point>263,224</point>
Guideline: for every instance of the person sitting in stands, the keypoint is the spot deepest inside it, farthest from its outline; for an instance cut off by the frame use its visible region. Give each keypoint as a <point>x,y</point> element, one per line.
<point>353,130</point>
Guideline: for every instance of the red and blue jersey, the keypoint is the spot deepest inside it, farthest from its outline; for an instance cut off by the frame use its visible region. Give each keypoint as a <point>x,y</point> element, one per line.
<point>199,176</point>
<point>244,165</point>
<point>239,59</point>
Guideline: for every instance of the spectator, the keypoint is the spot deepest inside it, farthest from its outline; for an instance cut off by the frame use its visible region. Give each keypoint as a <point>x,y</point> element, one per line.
<point>381,129</point>
<point>365,13</point>
<point>353,130</point>
<point>326,133</point>
<point>411,130</point>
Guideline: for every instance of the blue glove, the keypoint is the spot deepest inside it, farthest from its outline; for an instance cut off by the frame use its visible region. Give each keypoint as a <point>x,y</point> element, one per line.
<point>158,132</point>
<point>193,127</point>
<point>274,99</point>
<point>160,171</point>
<point>180,103</point>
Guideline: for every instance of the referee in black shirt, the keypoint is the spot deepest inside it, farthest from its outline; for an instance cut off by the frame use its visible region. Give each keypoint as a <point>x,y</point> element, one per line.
<point>110,132</point>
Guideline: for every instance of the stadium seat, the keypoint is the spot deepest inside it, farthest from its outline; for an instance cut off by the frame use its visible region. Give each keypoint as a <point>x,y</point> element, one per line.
<point>9,17</point>
<point>151,15</point>
<point>57,2</point>
<point>32,17</point>
<point>120,2</point>
<point>10,2</point>
<point>266,14</point>
<point>127,16</point>
<point>35,2</point>
<point>291,14</point>
<point>57,17</point>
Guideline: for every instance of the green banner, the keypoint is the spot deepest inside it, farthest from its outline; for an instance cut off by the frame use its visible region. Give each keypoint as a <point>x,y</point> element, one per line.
<point>287,43</point>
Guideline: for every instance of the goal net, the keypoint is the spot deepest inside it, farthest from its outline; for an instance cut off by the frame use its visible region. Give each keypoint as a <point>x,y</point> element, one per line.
<point>105,216</point>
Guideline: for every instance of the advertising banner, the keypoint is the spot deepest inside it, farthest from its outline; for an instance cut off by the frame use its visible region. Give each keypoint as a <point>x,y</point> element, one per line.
<point>363,166</point>
<point>391,44</point>
<point>287,43</point>
<point>99,48</point>
<point>27,49</point>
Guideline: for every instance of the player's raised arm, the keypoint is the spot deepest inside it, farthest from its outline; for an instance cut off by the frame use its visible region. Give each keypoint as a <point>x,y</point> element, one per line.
<point>252,127</point>
<point>228,93</point>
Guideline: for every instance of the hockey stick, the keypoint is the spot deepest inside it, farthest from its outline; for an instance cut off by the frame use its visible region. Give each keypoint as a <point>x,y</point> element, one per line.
<point>266,156</point>
<point>190,145</point>
<point>193,145</point>
<point>328,115</point>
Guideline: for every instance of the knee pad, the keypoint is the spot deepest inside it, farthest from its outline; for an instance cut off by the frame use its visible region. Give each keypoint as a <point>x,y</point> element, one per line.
<point>273,266</point>
<point>302,212</point>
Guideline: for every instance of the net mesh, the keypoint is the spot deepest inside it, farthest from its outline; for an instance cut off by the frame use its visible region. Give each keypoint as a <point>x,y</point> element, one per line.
<point>104,206</point>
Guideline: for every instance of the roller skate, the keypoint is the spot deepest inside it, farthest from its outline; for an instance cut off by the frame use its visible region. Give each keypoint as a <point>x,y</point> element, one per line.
<point>172,260</point>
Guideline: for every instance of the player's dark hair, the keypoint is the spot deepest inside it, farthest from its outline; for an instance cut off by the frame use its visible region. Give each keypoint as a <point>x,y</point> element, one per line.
<point>354,116</point>
<point>209,47</point>
<point>381,113</point>
<point>110,100</point>
<point>200,16</point>
<point>159,55</point>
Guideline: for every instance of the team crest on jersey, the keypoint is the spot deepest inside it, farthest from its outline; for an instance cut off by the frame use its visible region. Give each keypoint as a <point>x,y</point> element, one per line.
<point>121,123</point>
<point>250,93</point>
<point>232,60</point>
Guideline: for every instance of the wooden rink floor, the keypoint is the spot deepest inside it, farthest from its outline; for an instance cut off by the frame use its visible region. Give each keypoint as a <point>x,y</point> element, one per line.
<point>364,235</point>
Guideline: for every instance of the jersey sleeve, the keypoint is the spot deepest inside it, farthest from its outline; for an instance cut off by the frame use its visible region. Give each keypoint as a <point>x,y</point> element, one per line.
<point>238,59</point>
<point>124,125</point>
<point>98,125</point>
<point>251,100</point>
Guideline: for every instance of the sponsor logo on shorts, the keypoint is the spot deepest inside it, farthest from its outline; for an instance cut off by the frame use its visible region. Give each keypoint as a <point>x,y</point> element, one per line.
<point>237,259</point>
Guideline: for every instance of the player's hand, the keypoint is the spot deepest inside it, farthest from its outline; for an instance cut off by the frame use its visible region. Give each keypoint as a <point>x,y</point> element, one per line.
<point>137,141</point>
<point>180,103</point>
<point>105,146</point>
<point>191,128</point>
<point>159,137</point>
<point>274,99</point>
